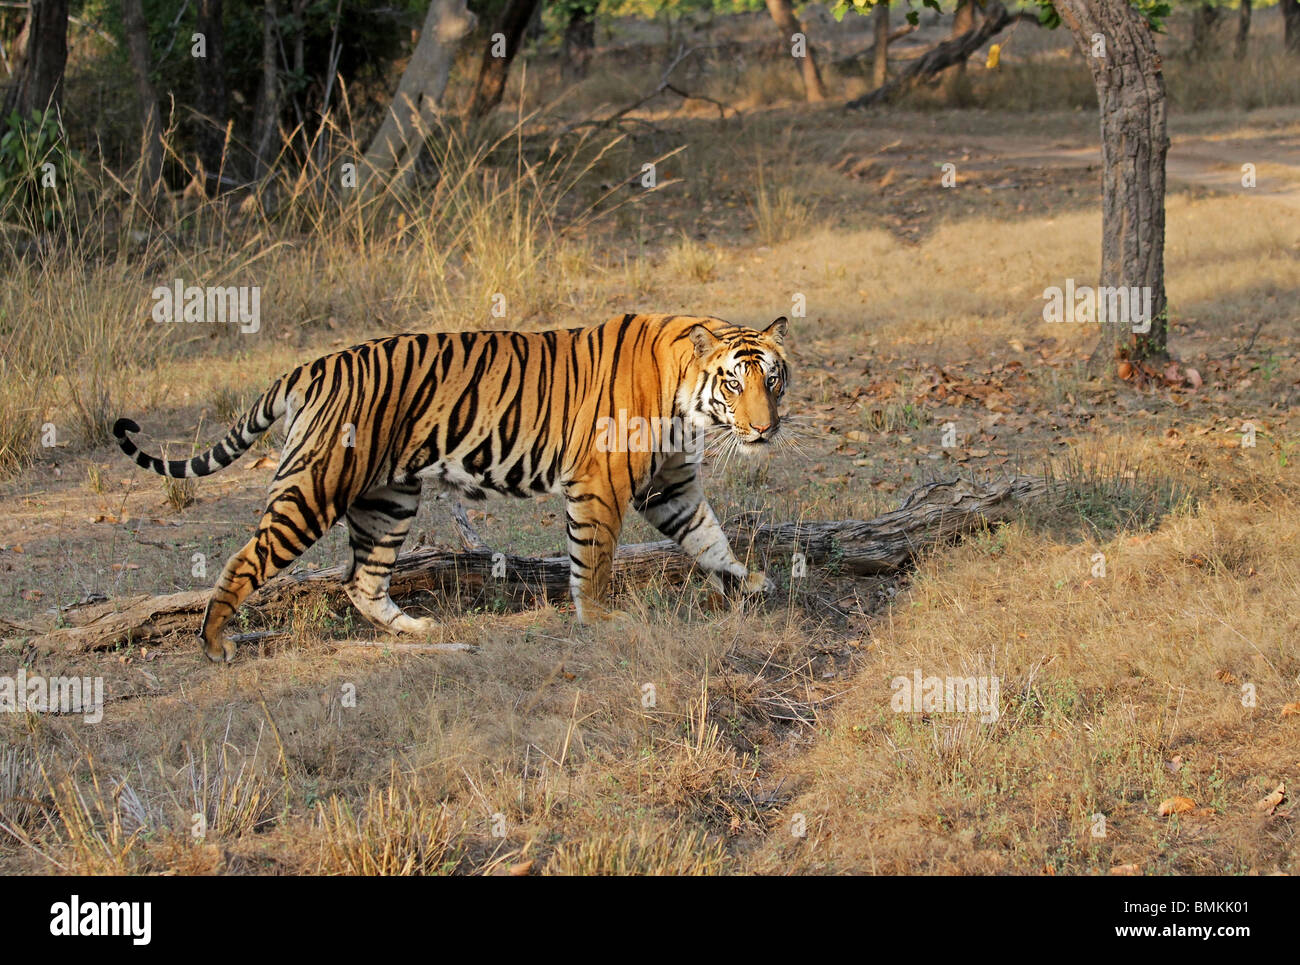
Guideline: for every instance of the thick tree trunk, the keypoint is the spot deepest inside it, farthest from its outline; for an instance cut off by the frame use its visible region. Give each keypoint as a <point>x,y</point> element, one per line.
<point>954,78</point>
<point>137,42</point>
<point>782,12</point>
<point>267,113</point>
<point>418,100</point>
<point>495,66</point>
<point>1121,53</point>
<point>880,65</point>
<point>940,56</point>
<point>931,516</point>
<point>211,140</point>
<point>1291,20</point>
<point>1243,31</point>
<point>38,80</point>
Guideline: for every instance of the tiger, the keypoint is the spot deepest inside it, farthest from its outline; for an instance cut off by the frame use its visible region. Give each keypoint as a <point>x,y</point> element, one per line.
<point>516,413</point>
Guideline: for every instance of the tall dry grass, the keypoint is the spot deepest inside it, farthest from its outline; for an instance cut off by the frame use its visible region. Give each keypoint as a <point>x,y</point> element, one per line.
<point>490,235</point>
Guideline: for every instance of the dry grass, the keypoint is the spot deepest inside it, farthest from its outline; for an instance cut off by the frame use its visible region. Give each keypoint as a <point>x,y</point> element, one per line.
<point>1118,692</point>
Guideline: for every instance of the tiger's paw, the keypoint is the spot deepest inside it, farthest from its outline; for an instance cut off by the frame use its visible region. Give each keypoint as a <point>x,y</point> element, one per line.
<point>221,650</point>
<point>757,582</point>
<point>591,613</point>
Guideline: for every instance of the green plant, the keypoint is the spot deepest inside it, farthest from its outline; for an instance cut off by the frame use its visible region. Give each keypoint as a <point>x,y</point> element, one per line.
<point>35,169</point>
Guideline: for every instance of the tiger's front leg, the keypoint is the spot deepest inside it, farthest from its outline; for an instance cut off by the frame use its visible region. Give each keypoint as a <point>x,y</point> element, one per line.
<point>673,502</point>
<point>593,519</point>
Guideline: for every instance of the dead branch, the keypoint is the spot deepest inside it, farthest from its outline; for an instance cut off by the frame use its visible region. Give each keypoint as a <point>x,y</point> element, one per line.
<point>940,57</point>
<point>665,85</point>
<point>868,53</point>
<point>934,514</point>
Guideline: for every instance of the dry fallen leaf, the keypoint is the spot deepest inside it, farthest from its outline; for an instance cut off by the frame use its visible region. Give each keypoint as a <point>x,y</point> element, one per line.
<point>1176,805</point>
<point>1126,869</point>
<point>1269,804</point>
<point>1291,710</point>
<point>1227,676</point>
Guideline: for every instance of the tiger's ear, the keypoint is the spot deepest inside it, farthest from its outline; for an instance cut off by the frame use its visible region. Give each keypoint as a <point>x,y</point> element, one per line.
<point>778,329</point>
<point>703,340</point>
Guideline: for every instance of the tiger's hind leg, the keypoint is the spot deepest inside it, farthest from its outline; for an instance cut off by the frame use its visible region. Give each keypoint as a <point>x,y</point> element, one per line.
<point>287,529</point>
<point>673,502</point>
<point>593,516</point>
<point>378,521</point>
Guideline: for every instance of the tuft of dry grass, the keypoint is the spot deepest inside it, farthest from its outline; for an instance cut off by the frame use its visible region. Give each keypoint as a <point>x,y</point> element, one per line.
<point>399,832</point>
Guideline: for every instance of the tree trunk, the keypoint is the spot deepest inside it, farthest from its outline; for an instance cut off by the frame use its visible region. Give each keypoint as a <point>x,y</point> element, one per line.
<point>931,516</point>
<point>267,113</point>
<point>137,42</point>
<point>782,12</point>
<point>1205,23</point>
<point>1291,18</point>
<point>211,140</point>
<point>1243,31</point>
<point>38,80</point>
<point>579,41</point>
<point>419,94</point>
<point>880,66</point>
<point>495,66</point>
<point>954,78</point>
<point>1121,53</point>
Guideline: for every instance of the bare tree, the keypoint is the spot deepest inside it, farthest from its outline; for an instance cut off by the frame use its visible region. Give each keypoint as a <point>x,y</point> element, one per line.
<point>137,43</point>
<point>419,94</point>
<point>499,54</point>
<point>1119,47</point>
<point>782,12</point>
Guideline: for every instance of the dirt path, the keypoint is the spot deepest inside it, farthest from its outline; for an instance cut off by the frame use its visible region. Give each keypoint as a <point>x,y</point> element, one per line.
<point>1210,161</point>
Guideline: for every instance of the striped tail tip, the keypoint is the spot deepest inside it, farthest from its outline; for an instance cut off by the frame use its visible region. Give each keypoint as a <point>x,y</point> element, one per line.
<point>122,426</point>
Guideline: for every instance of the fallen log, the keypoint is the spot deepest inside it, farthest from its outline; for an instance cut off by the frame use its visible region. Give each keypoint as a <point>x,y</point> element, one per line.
<point>940,57</point>
<point>933,514</point>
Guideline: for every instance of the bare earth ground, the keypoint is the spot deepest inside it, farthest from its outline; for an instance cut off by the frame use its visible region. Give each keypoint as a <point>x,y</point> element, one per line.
<point>770,745</point>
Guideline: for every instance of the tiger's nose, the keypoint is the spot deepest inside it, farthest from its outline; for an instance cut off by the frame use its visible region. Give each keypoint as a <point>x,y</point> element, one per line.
<point>760,429</point>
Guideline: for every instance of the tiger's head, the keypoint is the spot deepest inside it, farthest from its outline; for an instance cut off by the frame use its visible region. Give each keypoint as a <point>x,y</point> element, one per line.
<point>741,375</point>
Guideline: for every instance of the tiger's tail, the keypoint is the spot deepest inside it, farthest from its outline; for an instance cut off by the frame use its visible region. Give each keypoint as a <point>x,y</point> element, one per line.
<point>272,405</point>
